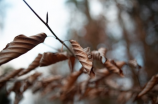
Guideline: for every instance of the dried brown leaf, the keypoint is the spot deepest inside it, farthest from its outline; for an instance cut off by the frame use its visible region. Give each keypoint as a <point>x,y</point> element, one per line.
<point>20,45</point>
<point>100,54</point>
<point>133,63</point>
<point>120,64</point>
<point>16,87</point>
<point>33,65</point>
<point>70,81</point>
<point>149,86</point>
<point>45,82</point>
<point>124,97</point>
<point>112,66</point>
<point>10,75</point>
<point>30,80</point>
<point>49,58</point>
<point>71,63</point>
<point>102,51</point>
<point>88,52</point>
<point>51,79</point>
<point>82,57</point>
<point>102,72</point>
<point>50,88</point>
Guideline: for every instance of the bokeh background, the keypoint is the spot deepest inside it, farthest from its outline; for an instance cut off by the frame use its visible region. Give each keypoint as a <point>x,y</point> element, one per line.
<point>127,28</point>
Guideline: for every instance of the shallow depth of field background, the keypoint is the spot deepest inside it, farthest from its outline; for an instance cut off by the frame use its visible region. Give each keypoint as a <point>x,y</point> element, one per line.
<point>127,28</point>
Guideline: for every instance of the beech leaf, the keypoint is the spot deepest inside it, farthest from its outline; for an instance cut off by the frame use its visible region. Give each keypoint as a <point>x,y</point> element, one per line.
<point>82,56</point>
<point>149,86</point>
<point>100,54</point>
<point>134,64</point>
<point>10,75</point>
<point>70,81</point>
<point>112,66</point>
<point>49,58</point>
<point>120,64</point>
<point>20,45</point>
<point>33,65</point>
<point>71,63</point>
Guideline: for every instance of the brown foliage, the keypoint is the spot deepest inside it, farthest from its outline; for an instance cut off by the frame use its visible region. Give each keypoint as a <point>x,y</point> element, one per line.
<point>68,87</point>
<point>112,66</point>
<point>71,63</point>
<point>149,86</point>
<point>33,65</point>
<point>20,45</point>
<point>12,74</point>
<point>49,58</point>
<point>100,54</point>
<point>82,57</point>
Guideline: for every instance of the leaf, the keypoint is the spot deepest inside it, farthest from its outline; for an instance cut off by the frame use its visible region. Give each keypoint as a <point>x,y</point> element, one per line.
<point>133,63</point>
<point>112,66</point>
<point>99,55</point>
<point>50,88</point>
<point>120,64</point>
<point>82,57</point>
<point>102,72</point>
<point>88,52</point>
<point>33,65</point>
<point>45,82</point>
<point>20,45</point>
<point>70,80</point>
<point>30,80</point>
<point>49,58</point>
<point>51,79</point>
<point>102,51</point>
<point>149,86</point>
<point>10,75</point>
<point>18,93</point>
<point>100,75</point>
<point>71,63</point>
<point>16,87</point>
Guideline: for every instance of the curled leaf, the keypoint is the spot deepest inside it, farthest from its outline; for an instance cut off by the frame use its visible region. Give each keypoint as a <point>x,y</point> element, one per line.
<point>20,45</point>
<point>49,58</point>
<point>88,52</point>
<point>149,86</point>
<point>10,75</point>
<point>112,66</point>
<point>102,51</point>
<point>82,56</point>
<point>100,54</point>
<point>33,65</point>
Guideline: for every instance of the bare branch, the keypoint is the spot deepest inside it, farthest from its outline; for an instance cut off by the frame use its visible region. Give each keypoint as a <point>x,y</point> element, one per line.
<point>48,27</point>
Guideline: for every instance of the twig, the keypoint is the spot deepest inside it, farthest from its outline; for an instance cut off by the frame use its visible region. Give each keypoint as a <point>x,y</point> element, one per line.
<point>50,46</point>
<point>46,24</point>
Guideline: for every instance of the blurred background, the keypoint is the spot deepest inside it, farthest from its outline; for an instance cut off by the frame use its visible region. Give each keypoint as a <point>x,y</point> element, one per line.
<point>127,28</point>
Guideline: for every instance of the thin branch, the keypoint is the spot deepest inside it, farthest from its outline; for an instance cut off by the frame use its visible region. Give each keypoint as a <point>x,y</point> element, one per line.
<point>46,24</point>
<point>50,46</point>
